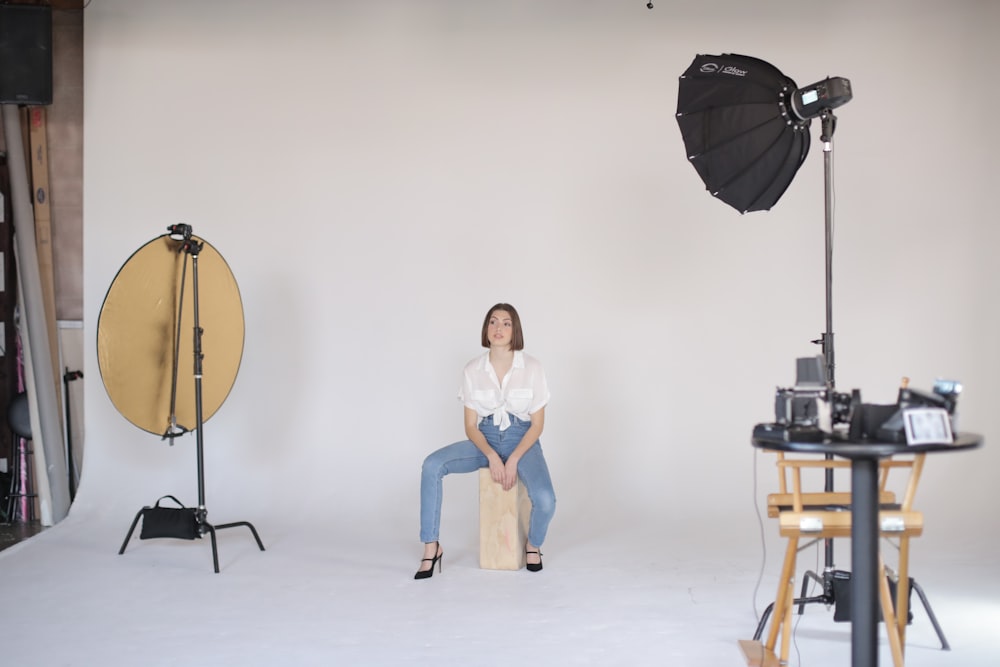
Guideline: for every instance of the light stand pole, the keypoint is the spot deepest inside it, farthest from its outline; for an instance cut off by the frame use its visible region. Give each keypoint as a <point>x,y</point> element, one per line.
<point>192,248</point>
<point>828,125</point>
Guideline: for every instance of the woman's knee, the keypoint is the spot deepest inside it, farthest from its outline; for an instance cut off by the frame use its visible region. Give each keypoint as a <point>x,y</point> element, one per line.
<point>544,501</point>
<point>433,466</point>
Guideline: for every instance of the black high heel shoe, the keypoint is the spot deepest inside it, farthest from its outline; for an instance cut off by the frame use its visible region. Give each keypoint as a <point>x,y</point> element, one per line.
<point>534,567</point>
<point>437,560</point>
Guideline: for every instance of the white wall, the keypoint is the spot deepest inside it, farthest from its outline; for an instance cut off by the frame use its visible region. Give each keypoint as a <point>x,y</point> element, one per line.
<point>377,174</point>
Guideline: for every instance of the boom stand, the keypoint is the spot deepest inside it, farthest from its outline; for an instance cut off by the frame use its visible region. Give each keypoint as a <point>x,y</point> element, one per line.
<point>192,247</point>
<point>826,579</point>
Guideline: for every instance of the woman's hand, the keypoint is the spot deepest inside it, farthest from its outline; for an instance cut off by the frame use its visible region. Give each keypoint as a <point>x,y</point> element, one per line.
<point>497,469</point>
<point>509,474</point>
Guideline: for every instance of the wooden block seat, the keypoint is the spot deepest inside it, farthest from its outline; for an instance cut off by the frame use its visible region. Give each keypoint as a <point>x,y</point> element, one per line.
<point>503,524</point>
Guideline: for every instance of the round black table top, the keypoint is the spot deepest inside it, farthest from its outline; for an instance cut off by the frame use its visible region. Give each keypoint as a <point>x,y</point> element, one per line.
<point>771,436</point>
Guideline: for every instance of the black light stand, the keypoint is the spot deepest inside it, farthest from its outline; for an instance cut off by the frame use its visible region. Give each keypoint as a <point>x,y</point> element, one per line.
<point>828,123</point>
<point>191,247</point>
<point>829,575</point>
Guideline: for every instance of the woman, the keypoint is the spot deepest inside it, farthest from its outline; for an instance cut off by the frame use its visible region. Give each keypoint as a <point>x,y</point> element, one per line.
<point>504,392</point>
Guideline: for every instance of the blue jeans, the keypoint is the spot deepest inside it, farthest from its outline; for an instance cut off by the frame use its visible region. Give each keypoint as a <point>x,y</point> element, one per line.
<point>464,456</point>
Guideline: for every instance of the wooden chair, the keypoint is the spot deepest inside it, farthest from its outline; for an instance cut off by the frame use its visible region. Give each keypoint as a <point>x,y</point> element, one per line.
<point>816,515</point>
<point>823,500</point>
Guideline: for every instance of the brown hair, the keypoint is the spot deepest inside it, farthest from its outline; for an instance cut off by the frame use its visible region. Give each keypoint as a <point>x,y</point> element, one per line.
<point>517,340</point>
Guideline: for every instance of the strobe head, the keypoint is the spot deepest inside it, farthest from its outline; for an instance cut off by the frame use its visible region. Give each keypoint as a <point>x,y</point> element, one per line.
<point>812,100</point>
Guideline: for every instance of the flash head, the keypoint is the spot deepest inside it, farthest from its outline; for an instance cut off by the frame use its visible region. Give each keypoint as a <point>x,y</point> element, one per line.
<point>812,100</point>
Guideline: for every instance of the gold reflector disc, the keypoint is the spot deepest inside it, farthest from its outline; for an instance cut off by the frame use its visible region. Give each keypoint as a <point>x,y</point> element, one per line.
<point>140,339</point>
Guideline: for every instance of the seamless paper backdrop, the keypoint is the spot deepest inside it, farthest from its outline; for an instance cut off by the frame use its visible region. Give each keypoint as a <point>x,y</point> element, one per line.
<point>377,175</point>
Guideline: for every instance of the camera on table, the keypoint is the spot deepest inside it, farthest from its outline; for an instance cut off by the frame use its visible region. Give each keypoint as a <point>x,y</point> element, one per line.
<point>943,398</point>
<point>943,395</point>
<point>811,411</point>
<point>811,407</point>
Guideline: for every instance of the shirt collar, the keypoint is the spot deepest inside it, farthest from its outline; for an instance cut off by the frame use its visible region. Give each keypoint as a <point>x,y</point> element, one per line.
<point>518,359</point>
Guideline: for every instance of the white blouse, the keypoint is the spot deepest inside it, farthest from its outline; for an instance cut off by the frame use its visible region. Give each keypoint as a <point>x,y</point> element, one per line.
<point>522,391</point>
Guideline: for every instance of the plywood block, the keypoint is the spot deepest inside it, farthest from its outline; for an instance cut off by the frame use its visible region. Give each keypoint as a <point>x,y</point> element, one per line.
<point>503,524</point>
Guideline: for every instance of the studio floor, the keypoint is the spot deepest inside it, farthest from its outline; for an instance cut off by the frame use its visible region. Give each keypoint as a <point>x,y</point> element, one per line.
<point>344,595</point>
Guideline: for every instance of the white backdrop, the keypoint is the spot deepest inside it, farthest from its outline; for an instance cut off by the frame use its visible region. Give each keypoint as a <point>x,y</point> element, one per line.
<point>377,174</point>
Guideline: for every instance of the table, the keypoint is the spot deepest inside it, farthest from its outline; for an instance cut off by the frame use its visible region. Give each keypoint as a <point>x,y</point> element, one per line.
<point>864,456</point>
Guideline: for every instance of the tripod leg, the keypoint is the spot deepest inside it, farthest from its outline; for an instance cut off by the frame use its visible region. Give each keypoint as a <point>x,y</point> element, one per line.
<point>930,614</point>
<point>248,525</point>
<point>805,588</point>
<point>205,527</point>
<point>135,522</point>
<point>763,622</point>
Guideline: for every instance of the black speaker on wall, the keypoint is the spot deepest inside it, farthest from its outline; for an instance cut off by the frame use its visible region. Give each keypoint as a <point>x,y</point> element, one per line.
<point>25,54</point>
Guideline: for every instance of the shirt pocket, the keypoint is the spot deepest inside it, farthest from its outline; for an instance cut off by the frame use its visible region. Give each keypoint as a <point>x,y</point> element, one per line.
<point>486,398</point>
<point>519,400</point>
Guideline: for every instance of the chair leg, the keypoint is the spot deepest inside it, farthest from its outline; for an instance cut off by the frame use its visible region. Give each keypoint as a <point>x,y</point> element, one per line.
<point>782,598</point>
<point>885,598</point>
<point>786,623</point>
<point>903,591</point>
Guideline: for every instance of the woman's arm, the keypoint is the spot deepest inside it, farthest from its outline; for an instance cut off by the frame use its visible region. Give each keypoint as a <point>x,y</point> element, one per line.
<point>530,437</point>
<point>473,433</point>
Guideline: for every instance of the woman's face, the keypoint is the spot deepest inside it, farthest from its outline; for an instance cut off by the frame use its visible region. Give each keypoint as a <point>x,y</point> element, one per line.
<point>500,329</point>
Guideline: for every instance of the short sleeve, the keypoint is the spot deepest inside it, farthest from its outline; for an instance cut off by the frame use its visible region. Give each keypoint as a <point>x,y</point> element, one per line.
<point>540,388</point>
<point>465,391</point>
